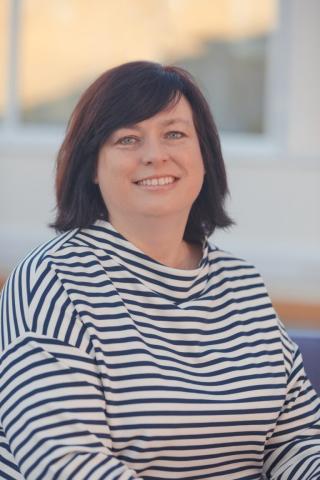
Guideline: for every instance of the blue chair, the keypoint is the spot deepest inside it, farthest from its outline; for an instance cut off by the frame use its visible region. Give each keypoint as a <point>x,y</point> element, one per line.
<point>309,344</point>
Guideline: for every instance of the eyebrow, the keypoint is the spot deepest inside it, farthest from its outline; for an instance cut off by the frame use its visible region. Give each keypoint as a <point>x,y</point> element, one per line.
<point>165,123</point>
<point>176,120</point>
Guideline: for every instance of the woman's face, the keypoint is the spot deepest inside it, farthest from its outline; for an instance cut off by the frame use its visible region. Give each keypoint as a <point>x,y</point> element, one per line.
<point>153,168</point>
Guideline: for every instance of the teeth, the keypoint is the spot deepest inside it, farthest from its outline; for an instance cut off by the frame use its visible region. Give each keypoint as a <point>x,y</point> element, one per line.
<point>156,181</point>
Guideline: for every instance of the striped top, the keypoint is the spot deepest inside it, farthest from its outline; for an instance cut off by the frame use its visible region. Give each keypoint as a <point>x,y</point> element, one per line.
<point>116,367</point>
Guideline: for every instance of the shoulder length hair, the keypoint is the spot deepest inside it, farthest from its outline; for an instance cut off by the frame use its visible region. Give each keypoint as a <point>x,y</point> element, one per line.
<point>121,96</point>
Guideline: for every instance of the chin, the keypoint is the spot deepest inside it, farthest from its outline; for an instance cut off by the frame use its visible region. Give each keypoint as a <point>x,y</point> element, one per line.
<point>162,213</point>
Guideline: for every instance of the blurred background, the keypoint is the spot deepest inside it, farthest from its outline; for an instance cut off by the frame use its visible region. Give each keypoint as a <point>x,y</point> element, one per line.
<point>258,64</point>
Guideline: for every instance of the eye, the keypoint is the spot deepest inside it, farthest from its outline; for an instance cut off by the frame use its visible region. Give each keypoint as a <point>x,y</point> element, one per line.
<point>175,135</point>
<point>127,140</point>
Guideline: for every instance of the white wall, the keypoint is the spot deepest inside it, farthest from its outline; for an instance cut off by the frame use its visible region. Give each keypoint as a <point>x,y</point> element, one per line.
<point>276,207</point>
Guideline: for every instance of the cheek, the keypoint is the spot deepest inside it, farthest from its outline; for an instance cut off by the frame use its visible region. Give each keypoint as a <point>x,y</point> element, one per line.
<point>115,166</point>
<point>198,173</point>
<point>112,178</point>
<point>197,164</point>
<point>105,172</point>
<point>201,167</point>
<point>103,176</point>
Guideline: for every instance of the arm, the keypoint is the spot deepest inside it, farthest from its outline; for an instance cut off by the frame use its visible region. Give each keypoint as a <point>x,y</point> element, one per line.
<point>293,450</point>
<point>53,408</point>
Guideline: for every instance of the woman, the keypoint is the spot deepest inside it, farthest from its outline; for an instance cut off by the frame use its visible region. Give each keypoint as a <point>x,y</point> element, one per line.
<point>131,346</point>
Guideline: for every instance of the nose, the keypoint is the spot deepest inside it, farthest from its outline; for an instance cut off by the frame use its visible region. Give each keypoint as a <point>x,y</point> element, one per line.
<point>154,152</point>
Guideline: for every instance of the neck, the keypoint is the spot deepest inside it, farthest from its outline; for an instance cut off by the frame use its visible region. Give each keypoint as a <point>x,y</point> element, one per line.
<point>161,240</point>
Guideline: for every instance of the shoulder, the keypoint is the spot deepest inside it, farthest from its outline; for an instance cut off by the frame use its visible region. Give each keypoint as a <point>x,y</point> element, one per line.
<point>240,283</point>
<point>34,264</point>
<point>34,280</point>
<point>226,262</point>
<point>244,296</point>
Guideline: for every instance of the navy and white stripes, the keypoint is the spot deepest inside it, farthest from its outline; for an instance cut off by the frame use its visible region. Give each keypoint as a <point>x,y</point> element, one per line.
<point>114,366</point>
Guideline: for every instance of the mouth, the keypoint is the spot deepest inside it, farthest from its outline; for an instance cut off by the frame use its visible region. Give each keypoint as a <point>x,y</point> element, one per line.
<point>165,180</point>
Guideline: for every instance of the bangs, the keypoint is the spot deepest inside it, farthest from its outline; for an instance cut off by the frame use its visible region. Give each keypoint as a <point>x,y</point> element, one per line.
<point>146,94</point>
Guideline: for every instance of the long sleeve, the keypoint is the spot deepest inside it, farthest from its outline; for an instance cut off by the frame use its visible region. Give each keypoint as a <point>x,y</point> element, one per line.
<point>293,449</point>
<point>53,409</point>
<point>114,366</point>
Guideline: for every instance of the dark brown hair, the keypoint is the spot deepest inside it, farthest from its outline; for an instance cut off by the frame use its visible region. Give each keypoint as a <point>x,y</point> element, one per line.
<point>121,96</point>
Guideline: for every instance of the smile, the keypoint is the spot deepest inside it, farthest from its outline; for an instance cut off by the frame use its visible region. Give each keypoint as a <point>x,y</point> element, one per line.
<point>154,182</point>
